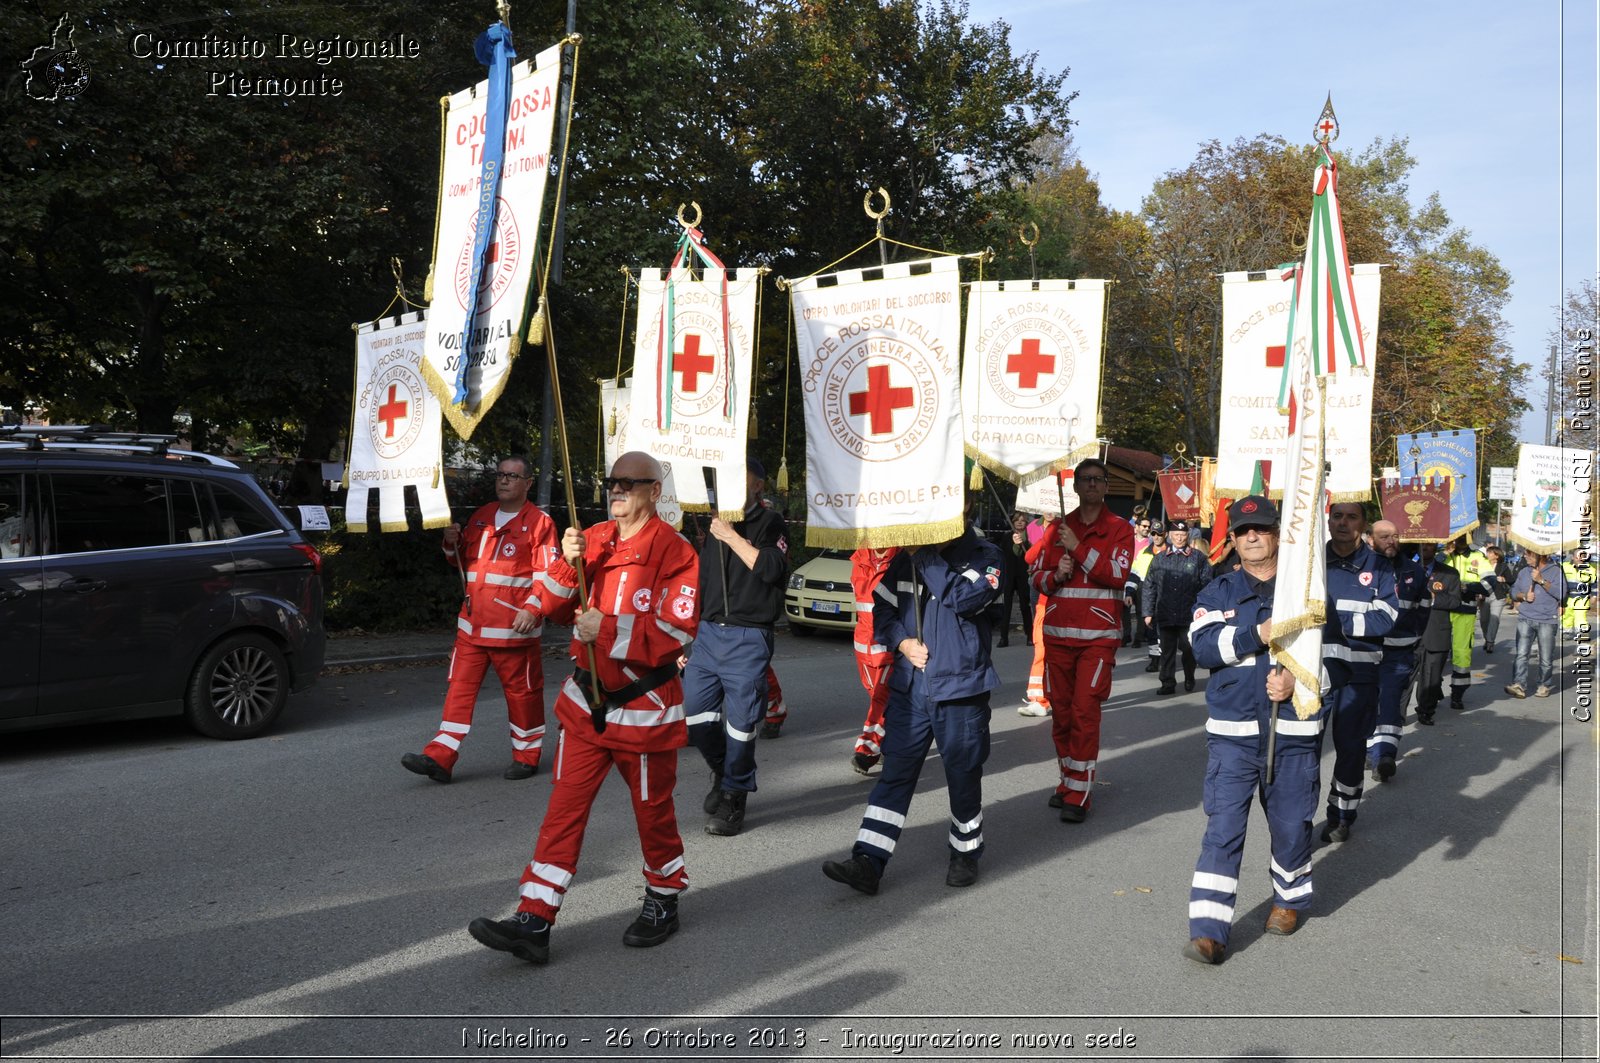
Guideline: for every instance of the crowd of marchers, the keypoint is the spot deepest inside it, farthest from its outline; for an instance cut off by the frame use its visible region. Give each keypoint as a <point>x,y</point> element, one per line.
<point>672,645</point>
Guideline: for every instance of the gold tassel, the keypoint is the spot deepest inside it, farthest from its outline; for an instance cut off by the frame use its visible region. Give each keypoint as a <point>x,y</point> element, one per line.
<point>597,498</point>
<point>975,481</point>
<point>611,425</point>
<point>536,324</point>
<point>783,475</point>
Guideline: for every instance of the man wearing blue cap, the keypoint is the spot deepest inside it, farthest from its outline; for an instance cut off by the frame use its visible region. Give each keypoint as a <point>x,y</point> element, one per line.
<point>743,568</point>
<point>1232,623</point>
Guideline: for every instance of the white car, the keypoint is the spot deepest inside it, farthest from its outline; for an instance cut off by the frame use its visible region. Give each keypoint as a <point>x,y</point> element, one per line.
<point>819,594</point>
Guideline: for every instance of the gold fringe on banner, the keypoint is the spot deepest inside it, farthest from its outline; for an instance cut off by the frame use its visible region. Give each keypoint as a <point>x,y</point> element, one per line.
<point>892,535</point>
<point>444,126</point>
<point>1010,475</point>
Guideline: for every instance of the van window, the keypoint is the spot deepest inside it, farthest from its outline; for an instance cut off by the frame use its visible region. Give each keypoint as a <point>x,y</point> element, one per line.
<point>18,531</point>
<point>109,511</point>
<point>239,515</point>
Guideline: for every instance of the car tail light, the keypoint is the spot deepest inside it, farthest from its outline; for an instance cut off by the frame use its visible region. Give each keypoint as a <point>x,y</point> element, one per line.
<point>311,555</point>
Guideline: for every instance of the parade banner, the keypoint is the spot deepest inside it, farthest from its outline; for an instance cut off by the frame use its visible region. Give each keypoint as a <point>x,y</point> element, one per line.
<point>615,399</point>
<point>880,386</point>
<point>485,345</point>
<point>1437,455</point>
<point>1418,508</point>
<point>1325,342</point>
<point>1030,386</point>
<point>1044,496</point>
<point>1255,324</point>
<point>1180,493</point>
<point>692,392</point>
<point>1553,508</point>
<point>395,435</point>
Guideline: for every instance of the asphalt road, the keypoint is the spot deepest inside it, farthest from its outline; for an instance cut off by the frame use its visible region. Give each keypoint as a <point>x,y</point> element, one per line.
<point>301,896</point>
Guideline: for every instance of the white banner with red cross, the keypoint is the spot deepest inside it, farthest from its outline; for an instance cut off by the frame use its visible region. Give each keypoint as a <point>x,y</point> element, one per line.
<point>395,434</point>
<point>1255,323</point>
<point>879,377</point>
<point>1030,381</point>
<point>615,399</point>
<point>691,396</point>
<point>494,337</point>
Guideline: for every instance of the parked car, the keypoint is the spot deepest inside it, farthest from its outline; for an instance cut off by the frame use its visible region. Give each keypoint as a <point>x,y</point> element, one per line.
<point>139,581</point>
<point>819,594</point>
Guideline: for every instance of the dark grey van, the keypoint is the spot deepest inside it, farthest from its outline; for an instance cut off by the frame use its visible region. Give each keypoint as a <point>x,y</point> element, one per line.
<point>138,581</point>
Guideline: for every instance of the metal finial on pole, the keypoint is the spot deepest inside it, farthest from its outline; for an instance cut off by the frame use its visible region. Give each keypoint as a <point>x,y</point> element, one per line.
<point>1327,128</point>
<point>878,216</point>
<point>1030,244</point>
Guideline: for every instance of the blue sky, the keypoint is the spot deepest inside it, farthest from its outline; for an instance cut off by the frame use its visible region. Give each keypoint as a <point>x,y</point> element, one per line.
<point>1476,87</point>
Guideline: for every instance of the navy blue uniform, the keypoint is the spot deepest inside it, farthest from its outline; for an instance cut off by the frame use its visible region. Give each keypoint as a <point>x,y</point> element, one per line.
<point>1362,609</point>
<point>948,700</point>
<point>1224,632</point>
<point>1399,661</point>
<point>725,683</point>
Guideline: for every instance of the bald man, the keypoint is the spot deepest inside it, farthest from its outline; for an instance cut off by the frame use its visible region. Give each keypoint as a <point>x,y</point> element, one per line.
<point>643,582</point>
<point>1399,661</point>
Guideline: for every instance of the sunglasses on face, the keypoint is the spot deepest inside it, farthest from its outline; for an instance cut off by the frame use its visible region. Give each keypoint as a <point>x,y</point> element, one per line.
<point>1091,479</point>
<point>627,483</point>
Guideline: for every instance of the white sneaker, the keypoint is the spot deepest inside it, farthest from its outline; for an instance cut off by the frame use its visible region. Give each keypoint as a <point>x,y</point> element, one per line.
<point>1543,692</point>
<point>1029,708</point>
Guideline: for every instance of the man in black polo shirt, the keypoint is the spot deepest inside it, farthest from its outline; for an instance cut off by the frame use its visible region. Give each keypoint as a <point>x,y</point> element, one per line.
<point>743,568</point>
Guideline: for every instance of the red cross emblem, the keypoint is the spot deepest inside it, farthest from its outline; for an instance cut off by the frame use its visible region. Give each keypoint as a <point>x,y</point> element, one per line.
<point>392,411</point>
<point>1029,364</point>
<point>880,400</point>
<point>691,363</point>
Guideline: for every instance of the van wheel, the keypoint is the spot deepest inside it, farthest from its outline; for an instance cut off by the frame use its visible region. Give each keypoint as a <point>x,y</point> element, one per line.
<point>238,689</point>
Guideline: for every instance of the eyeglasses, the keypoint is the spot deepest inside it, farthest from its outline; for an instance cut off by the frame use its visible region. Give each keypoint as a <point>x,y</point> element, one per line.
<point>510,477</point>
<point>627,483</point>
<point>1091,479</point>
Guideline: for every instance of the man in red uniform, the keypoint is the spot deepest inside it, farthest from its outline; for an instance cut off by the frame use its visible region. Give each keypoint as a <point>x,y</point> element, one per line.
<point>867,566</point>
<point>1080,572</point>
<point>504,550</point>
<point>643,583</point>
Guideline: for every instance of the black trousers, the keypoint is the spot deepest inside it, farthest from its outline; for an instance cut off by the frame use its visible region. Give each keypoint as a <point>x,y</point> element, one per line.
<point>1017,587</point>
<point>1174,639</point>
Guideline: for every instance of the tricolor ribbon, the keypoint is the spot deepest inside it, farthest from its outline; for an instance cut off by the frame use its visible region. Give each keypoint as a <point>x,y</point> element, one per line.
<point>691,241</point>
<point>493,49</point>
<point>1323,281</point>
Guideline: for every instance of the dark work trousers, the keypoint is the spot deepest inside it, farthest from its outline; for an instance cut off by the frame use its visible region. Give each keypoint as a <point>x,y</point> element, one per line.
<point>1236,772</point>
<point>1430,680</point>
<point>1354,711</point>
<point>1394,685</point>
<point>912,723</point>
<point>725,698</point>
<point>1017,587</point>
<point>1174,639</point>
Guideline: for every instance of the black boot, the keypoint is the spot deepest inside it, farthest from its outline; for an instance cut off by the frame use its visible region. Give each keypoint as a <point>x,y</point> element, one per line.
<point>657,921</point>
<point>524,935</point>
<point>1455,700</point>
<point>728,817</point>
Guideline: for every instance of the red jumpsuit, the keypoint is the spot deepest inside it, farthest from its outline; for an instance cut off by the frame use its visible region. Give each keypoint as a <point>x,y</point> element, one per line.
<point>646,586</point>
<point>502,566</point>
<point>867,566</point>
<point>1082,632</point>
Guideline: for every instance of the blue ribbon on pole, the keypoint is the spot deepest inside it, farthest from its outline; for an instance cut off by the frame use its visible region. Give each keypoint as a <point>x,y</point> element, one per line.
<point>493,49</point>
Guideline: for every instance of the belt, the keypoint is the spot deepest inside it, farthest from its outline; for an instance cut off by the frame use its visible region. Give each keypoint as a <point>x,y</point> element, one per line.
<point>619,698</point>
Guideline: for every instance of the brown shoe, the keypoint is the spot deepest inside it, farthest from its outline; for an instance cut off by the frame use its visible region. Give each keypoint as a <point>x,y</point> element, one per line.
<point>1204,950</point>
<point>1283,921</point>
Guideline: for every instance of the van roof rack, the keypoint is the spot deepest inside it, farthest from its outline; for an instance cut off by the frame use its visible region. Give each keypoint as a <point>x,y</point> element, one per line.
<point>100,437</point>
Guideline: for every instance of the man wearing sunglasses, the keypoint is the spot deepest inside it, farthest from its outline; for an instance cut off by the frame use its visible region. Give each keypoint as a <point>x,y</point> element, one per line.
<point>643,585</point>
<point>743,568</point>
<point>1081,572</point>
<point>1231,625</point>
<point>504,550</point>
